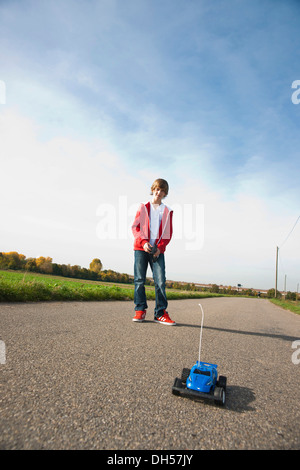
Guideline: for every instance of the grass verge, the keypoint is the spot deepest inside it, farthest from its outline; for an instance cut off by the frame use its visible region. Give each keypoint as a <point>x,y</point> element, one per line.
<point>31,287</point>
<point>287,305</point>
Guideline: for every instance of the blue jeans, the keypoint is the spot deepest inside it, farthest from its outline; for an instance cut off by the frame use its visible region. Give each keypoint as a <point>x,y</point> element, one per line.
<point>141,261</point>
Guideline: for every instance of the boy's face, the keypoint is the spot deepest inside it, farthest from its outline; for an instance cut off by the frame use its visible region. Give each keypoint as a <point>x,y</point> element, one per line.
<point>158,195</point>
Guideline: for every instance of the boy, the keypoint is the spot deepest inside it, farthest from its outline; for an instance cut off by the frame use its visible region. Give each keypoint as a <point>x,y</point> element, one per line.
<point>152,230</point>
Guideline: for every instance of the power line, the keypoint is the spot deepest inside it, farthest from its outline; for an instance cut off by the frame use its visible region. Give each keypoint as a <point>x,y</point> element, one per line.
<point>290,232</point>
<point>280,262</point>
<point>277,252</point>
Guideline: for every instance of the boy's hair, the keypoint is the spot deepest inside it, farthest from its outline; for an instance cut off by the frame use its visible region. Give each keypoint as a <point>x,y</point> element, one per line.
<point>161,184</point>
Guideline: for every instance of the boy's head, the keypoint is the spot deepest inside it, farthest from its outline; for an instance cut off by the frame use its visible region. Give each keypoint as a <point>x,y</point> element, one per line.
<point>161,184</point>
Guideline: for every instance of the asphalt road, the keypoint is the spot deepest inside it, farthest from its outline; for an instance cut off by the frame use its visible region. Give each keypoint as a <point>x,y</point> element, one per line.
<point>82,375</point>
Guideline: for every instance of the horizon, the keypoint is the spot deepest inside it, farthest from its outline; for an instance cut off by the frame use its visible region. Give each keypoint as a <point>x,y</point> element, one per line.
<point>181,281</point>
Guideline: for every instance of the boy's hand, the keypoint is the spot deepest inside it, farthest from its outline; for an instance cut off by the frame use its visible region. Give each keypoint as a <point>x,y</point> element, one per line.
<point>147,247</point>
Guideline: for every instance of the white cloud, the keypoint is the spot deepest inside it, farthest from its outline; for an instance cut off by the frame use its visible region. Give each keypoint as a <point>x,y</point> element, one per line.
<point>58,186</point>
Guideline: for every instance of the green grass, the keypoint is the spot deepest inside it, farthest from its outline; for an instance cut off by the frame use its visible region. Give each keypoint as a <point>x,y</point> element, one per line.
<point>31,287</point>
<point>293,306</point>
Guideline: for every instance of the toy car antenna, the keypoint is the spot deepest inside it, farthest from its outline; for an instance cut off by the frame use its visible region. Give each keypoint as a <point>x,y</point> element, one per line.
<point>201,332</point>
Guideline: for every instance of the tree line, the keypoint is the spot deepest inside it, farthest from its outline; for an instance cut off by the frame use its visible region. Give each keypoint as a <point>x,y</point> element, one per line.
<point>44,265</point>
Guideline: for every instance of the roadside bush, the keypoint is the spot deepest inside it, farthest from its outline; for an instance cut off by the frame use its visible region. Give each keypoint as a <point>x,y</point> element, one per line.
<point>290,296</point>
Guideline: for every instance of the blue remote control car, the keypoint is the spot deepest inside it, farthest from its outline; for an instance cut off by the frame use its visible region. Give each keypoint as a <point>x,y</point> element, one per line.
<point>202,380</point>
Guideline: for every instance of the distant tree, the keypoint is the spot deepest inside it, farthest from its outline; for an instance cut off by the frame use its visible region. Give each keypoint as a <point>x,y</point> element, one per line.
<point>56,269</point>
<point>96,265</point>
<point>75,271</point>
<point>271,294</point>
<point>44,265</point>
<point>215,289</point>
<point>249,292</point>
<point>30,264</point>
<point>65,270</point>
<point>85,273</point>
<point>12,260</point>
<point>290,295</point>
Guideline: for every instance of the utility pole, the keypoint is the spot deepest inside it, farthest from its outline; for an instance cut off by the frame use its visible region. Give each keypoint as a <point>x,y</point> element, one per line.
<point>276,276</point>
<point>285,286</point>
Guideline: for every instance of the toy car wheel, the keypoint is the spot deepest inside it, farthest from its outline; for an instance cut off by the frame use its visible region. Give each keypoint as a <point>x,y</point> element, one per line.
<point>222,382</point>
<point>177,384</point>
<point>184,375</point>
<point>219,396</point>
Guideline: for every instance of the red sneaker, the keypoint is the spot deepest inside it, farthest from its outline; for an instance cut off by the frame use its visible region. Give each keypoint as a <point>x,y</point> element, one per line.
<point>165,319</point>
<point>139,315</point>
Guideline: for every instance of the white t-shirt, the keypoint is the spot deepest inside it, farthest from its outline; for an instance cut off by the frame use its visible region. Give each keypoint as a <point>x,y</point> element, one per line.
<point>156,213</point>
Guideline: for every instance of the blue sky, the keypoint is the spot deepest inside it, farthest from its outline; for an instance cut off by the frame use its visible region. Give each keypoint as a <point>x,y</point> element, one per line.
<point>102,97</point>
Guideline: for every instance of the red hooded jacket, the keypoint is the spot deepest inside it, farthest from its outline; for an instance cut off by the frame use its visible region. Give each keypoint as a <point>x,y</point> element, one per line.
<point>141,228</point>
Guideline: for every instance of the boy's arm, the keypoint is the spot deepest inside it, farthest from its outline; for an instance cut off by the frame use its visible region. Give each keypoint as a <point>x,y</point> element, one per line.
<point>140,226</point>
